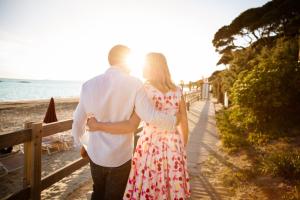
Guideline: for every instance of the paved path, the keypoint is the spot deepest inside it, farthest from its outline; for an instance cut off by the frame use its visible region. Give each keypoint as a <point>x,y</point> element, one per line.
<point>203,144</point>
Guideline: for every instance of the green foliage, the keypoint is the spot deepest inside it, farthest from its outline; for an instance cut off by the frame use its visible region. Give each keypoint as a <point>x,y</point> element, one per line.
<point>259,138</point>
<point>271,88</point>
<point>237,178</point>
<point>231,135</point>
<point>262,78</point>
<point>284,164</point>
<point>275,18</point>
<point>265,96</point>
<point>242,118</point>
<point>216,80</point>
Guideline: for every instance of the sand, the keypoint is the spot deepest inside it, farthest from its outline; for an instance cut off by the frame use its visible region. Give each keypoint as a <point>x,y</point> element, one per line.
<point>13,115</point>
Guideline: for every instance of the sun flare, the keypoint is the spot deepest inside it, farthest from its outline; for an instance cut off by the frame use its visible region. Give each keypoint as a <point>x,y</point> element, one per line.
<point>136,62</point>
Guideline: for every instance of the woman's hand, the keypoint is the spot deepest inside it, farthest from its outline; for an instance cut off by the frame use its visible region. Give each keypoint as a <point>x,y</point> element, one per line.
<point>92,124</point>
<point>185,140</point>
<point>183,122</point>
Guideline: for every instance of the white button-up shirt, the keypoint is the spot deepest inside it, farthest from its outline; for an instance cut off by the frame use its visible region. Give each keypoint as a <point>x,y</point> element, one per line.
<point>112,97</point>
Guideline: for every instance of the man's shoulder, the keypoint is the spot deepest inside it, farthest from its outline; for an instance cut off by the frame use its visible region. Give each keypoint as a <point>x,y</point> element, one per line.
<point>135,80</point>
<point>92,81</point>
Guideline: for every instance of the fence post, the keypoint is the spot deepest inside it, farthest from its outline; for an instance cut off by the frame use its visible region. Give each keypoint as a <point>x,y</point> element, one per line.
<point>225,100</point>
<point>188,106</point>
<point>36,150</point>
<point>27,158</point>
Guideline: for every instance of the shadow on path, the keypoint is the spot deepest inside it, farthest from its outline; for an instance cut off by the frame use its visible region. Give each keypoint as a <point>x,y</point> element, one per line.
<point>202,144</point>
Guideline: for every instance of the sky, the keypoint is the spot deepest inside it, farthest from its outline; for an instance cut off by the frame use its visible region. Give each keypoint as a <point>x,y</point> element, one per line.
<point>70,39</point>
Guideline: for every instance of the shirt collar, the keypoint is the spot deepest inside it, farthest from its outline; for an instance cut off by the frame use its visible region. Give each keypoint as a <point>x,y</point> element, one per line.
<point>116,69</point>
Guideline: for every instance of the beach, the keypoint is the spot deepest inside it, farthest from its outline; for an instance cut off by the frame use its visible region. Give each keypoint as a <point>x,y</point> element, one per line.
<point>13,115</point>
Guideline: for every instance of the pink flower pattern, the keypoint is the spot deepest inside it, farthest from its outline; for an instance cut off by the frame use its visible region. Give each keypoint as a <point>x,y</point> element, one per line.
<point>159,164</point>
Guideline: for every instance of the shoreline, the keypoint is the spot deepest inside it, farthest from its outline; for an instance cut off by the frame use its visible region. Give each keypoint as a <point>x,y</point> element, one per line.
<point>26,101</point>
<point>17,103</point>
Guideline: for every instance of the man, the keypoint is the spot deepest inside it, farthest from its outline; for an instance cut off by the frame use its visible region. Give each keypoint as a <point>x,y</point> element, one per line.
<point>112,97</point>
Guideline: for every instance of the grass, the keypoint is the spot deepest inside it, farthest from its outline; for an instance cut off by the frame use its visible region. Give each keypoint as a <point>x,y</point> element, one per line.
<point>284,164</point>
<point>271,159</point>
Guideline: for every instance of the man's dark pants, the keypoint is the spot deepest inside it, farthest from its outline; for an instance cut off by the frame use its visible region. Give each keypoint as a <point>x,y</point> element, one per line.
<point>109,182</point>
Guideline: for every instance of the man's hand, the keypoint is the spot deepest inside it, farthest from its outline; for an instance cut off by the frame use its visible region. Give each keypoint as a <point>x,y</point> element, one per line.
<point>92,124</point>
<point>83,153</point>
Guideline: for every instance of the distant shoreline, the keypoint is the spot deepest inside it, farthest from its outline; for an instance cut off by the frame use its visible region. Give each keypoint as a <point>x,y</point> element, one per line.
<point>22,103</point>
<point>21,90</point>
<point>28,79</point>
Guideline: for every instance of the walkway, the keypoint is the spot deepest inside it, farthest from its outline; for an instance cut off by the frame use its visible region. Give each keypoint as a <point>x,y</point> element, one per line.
<point>203,144</point>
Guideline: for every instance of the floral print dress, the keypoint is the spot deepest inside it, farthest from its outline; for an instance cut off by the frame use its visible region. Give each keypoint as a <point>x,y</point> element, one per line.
<point>159,165</point>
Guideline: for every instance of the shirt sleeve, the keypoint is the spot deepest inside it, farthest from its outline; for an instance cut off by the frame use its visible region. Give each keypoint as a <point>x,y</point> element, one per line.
<point>147,112</point>
<point>79,122</point>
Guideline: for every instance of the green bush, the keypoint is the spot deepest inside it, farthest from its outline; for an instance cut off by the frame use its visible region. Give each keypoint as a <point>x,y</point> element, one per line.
<point>232,136</point>
<point>269,90</point>
<point>243,118</point>
<point>265,95</point>
<point>259,138</point>
<point>233,142</point>
<point>284,164</point>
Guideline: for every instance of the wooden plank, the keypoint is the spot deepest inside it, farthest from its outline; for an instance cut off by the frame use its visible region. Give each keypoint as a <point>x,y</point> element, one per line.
<point>14,138</point>
<point>63,172</point>
<point>36,151</point>
<point>27,159</point>
<point>57,127</point>
<point>20,195</point>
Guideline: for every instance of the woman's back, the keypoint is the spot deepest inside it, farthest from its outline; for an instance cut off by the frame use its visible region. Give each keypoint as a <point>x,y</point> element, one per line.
<point>167,102</point>
<point>159,169</point>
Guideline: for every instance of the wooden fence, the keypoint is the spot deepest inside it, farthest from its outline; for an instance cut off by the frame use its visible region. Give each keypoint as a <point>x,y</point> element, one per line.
<point>32,136</point>
<point>191,98</point>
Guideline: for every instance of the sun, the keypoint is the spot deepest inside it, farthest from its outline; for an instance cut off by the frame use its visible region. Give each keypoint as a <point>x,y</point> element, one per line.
<point>136,62</point>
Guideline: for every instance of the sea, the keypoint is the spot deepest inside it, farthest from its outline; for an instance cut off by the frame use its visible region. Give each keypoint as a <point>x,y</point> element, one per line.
<point>24,89</point>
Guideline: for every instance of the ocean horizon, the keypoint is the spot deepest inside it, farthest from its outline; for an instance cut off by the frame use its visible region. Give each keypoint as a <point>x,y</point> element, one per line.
<point>29,89</point>
<point>32,89</point>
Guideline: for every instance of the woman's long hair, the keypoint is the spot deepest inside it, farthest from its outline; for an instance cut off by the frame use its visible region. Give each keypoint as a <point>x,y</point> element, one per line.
<point>157,71</point>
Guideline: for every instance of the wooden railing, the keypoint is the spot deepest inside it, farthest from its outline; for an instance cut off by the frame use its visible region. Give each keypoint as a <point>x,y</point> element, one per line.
<point>31,136</point>
<point>191,98</point>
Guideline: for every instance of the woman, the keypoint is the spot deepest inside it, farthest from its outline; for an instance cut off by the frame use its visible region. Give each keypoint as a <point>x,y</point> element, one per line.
<point>159,166</point>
